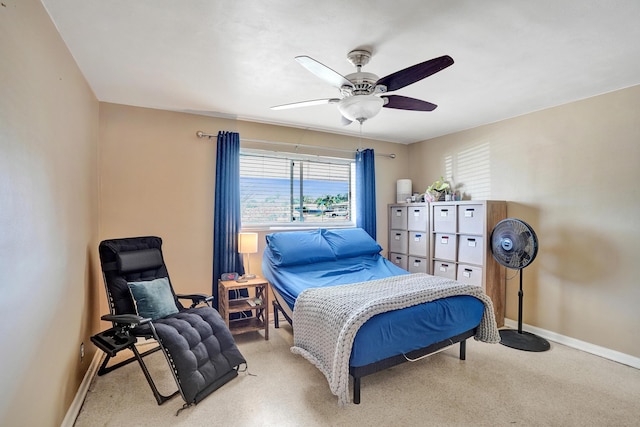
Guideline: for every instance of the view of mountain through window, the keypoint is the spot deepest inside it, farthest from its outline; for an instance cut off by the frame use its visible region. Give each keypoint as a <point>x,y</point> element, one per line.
<point>276,190</point>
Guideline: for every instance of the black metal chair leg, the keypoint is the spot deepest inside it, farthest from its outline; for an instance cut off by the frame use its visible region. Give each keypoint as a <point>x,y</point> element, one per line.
<point>463,350</point>
<point>104,369</point>
<point>160,398</point>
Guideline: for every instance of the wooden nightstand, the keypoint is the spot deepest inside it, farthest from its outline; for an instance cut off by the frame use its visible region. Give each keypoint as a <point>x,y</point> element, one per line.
<point>226,306</point>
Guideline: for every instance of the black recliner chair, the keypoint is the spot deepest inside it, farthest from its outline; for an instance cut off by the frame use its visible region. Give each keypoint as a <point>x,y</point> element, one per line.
<point>196,342</point>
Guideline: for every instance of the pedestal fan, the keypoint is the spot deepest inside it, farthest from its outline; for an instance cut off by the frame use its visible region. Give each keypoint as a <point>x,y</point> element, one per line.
<point>514,245</point>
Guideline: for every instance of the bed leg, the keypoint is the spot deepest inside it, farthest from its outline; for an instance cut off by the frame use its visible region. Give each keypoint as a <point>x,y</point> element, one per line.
<point>356,390</point>
<point>463,350</point>
<point>276,321</point>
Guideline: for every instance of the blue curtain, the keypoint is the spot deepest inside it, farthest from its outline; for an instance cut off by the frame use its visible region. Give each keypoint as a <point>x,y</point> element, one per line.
<point>366,191</point>
<point>226,222</point>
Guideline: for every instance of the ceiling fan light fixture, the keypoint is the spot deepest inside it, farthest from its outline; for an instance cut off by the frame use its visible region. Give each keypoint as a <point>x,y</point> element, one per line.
<point>360,107</point>
<point>358,101</point>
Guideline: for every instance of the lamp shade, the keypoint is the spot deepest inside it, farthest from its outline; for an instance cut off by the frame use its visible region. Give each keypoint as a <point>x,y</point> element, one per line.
<point>247,243</point>
<point>360,107</point>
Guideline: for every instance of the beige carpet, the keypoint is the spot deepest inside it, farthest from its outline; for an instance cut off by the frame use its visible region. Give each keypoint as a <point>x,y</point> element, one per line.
<point>495,386</point>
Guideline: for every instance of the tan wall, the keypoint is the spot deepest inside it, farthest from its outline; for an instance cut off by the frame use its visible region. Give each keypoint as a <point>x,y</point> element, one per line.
<point>158,178</point>
<point>48,218</point>
<point>572,173</point>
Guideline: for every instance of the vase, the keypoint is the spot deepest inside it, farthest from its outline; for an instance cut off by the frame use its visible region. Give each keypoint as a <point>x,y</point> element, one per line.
<point>435,196</point>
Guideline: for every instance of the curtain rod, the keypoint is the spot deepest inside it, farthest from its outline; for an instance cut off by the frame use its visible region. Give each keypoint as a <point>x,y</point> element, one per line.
<point>201,134</point>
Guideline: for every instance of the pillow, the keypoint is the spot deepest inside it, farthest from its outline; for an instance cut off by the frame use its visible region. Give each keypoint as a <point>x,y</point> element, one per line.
<point>153,298</point>
<point>350,242</point>
<point>299,247</point>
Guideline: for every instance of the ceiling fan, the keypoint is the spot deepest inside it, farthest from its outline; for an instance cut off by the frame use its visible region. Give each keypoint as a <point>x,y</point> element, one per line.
<point>362,94</point>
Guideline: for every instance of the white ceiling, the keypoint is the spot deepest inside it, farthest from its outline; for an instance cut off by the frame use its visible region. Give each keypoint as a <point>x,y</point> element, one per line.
<point>235,58</point>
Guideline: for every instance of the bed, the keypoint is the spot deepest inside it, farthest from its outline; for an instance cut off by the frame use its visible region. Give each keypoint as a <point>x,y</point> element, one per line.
<point>355,313</point>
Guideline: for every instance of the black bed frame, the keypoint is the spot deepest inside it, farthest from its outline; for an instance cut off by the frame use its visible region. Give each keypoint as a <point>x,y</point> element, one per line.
<point>357,372</point>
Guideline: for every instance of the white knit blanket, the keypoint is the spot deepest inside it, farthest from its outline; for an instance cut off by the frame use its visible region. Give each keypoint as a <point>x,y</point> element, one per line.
<point>326,320</point>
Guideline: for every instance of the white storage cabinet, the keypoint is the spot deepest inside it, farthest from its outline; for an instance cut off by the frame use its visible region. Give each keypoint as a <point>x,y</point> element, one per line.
<point>409,236</point>
<point>460,245</point>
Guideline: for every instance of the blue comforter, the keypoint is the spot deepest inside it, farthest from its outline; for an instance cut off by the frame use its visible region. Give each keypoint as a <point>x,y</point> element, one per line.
<point>385,335</point>
<point>289,281</point>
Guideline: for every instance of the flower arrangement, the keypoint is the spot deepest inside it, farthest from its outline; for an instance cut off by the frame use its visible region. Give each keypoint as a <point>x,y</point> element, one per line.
<point>436,190</point>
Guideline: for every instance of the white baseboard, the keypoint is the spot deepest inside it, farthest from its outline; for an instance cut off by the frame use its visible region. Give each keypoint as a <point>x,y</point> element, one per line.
<point>607,353</point>
<point>76,405</point>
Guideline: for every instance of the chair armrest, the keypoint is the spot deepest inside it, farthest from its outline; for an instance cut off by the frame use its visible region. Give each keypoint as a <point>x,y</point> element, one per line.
<point>130,319</point>
<point>196,298</point>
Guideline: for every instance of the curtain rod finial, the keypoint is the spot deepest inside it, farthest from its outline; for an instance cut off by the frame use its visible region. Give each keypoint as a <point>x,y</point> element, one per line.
<point>201,134</point>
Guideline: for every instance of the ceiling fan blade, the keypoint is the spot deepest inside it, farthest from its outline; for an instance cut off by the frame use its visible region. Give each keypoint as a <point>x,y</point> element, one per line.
<point>417,72</point>
<point>325,73</point>
<point>306,103</point>
<point>406,103</point>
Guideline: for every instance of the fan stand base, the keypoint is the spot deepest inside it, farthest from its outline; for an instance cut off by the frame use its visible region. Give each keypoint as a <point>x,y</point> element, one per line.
<point>523,340</point>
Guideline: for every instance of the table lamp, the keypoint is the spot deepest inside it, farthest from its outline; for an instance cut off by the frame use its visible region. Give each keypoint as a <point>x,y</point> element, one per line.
<point>247,244</point>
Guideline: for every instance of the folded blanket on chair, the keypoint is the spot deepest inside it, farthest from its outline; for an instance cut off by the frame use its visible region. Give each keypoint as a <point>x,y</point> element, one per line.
<point>326,320</point>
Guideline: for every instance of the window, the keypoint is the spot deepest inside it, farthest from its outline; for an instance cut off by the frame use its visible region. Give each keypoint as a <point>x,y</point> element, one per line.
<point>281,189</point>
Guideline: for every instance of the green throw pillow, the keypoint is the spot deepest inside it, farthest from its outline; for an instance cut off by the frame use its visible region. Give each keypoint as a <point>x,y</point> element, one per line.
<point>153,298</point>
